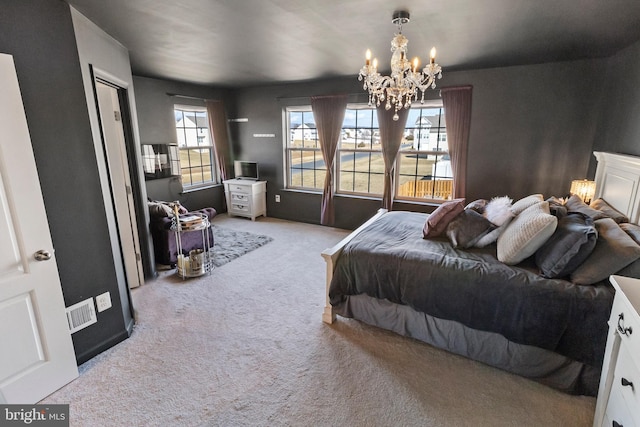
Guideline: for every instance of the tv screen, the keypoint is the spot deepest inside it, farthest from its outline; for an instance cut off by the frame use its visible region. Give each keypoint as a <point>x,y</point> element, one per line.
<point>245,169</point>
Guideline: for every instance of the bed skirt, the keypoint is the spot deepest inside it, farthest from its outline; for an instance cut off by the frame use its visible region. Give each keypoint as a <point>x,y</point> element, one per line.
<point>493,349</point>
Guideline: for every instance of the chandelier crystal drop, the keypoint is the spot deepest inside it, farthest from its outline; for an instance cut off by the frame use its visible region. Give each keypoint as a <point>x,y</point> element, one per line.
<point>406,79</point>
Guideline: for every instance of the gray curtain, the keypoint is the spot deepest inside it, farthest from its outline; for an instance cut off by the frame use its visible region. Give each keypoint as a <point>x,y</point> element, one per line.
<point>328,112</point>
<point>390,138</point>
<point>457,109</point>
<point>218,126</point>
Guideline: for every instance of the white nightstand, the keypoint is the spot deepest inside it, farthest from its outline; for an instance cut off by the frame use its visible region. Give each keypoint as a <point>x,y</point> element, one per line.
<point>619,394</point>
<point>246,197</point>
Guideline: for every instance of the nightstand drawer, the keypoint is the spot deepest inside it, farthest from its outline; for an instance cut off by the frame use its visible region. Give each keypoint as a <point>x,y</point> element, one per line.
<point>618,412</point>
<point>627,379</point>
<point>239,208</point>
<point>243,198</point>
<point>625,319</point>
<point>234,188</point>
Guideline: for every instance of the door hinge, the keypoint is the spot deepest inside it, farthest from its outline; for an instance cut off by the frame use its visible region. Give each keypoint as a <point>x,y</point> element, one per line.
<point>117,116</point>
<point>138,257</point>
<point>128,189</point>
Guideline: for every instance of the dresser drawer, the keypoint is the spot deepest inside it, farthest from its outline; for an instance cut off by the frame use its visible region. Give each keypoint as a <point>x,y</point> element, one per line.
<point>625,320</point>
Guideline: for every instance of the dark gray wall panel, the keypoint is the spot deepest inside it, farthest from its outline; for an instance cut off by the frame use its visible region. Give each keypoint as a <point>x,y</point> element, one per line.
<point>39,34</point>
<point>532,131</point>
<point>157,126</point>
<point>619,129</point>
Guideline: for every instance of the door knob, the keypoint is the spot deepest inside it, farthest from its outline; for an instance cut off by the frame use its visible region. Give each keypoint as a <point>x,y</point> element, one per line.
<point>42,255</point>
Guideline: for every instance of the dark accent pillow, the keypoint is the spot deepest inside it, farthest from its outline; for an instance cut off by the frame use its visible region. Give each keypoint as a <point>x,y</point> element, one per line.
<point>609,211</point>
<point>557,207</point>
<point>467,228</point>
<point>437,222</point>
<point>575,204</point>
<point>614,251</point>
<point>157,209</point>
<point>633,230</point>
<point>568,247</point>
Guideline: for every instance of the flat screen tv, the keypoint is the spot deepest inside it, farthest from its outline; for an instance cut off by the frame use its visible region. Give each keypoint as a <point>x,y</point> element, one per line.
<point>245,170</point>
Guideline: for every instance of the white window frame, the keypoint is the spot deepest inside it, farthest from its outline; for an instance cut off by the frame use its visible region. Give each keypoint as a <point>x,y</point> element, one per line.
<point>187,186</point>
<point>340,153</point>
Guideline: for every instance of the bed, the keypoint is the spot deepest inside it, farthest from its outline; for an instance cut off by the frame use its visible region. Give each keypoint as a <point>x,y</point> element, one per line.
<point>464,300</point>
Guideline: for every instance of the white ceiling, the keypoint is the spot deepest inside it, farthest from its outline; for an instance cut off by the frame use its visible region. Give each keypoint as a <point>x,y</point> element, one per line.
<point>250,42</point>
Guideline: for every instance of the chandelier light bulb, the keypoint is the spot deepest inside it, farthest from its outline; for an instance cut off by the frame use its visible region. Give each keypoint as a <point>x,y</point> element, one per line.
<point>401,87</point>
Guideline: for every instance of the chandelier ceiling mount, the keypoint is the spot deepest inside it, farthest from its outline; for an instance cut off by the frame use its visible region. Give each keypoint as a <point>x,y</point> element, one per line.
<point>401,87</point>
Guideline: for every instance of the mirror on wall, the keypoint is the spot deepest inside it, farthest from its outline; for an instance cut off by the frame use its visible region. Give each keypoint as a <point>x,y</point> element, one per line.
<point>160,161</point>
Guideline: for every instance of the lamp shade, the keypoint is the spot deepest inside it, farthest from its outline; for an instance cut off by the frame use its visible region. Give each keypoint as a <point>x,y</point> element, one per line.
<point>584,189</point>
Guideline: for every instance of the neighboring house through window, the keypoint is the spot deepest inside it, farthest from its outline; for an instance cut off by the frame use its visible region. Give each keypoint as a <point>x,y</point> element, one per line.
<point>196,146</point>
<point>423,168</point>
<point>305,166</point>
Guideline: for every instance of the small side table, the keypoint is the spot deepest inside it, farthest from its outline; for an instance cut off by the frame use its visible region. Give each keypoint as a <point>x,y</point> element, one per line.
<point>199,261</point>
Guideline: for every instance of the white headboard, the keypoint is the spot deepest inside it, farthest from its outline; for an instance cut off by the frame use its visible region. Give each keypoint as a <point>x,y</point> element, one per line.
<point>618,182</point>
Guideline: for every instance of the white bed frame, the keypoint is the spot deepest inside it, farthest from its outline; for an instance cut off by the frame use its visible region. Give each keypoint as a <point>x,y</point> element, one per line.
<point>617,182</point>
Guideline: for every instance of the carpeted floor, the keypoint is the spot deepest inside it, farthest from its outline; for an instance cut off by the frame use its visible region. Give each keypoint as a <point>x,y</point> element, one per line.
<point>245,346</point>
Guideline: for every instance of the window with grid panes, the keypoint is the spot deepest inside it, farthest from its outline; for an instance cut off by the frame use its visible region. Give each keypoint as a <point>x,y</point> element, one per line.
<point>423,169</point>
<point>423,163</point>
<point>305,167</point>
<point>197,166</point>
<point>359,160</point>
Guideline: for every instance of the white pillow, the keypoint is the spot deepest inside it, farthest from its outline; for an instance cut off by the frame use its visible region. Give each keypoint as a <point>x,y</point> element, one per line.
<point>522,204</point>
<point>498,210</point>
<point>526,233</point>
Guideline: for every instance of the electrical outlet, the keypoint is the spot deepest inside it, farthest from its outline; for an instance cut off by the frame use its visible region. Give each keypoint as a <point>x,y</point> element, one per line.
<point>277,198</point>
<point>103,301</point>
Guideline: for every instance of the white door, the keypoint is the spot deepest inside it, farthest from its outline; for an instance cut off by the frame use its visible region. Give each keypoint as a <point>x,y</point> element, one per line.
<point>36,351</point>
<point>114,142</point>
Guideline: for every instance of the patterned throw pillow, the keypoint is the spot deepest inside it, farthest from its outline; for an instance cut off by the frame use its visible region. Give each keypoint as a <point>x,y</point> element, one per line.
<point>526,233</point>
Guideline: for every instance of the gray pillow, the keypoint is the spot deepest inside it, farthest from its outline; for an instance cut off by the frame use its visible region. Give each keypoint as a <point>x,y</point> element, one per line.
<point>467,228</point>
<point>609,211</point>
<point>632,230</point>
<point>568,247</point>
<point>614,251</point>
<point>575,204</point>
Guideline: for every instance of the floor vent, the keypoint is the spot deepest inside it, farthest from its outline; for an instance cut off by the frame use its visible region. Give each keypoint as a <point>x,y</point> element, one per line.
<point>81,315</point>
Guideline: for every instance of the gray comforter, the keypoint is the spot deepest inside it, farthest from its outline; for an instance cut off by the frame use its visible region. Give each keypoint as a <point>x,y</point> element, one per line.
<point>390,260</point>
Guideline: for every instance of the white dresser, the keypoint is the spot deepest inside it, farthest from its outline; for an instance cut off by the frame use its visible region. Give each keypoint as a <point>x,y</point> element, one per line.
<point>246,198</point>
<point>619,394</point>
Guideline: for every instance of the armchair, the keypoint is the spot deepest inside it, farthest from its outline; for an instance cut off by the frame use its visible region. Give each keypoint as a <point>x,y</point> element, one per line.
<point>164,238</point>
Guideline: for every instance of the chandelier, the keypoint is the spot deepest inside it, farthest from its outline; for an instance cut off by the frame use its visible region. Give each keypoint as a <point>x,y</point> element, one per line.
<point>406,79</point>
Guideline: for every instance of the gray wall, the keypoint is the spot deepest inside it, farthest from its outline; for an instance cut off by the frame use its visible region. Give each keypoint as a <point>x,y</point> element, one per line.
<point>39,34</point>
<point>532,131</point>
<point>619,127</point>
<point>157,126</point>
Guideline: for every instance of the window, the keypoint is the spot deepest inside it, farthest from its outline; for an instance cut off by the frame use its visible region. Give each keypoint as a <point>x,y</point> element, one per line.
<point>305,166</point>
<point>196,148</point>
<point>360,163</point>
<point>423,169</point>
<point>424,166</point>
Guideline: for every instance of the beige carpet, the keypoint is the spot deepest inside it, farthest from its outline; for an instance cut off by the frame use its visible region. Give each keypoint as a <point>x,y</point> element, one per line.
<point>246,346</point>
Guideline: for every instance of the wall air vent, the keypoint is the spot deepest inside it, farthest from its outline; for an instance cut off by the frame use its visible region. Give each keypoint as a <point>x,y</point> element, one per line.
<point>81,315</point>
